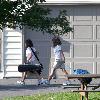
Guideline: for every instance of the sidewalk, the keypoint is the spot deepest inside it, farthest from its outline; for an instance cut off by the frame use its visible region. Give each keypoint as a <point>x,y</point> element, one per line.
<point>9,87</point>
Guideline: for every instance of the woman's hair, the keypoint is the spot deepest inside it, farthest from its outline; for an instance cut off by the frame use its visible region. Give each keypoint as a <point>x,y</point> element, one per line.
<point>28,43</point>
<point>56,41</point>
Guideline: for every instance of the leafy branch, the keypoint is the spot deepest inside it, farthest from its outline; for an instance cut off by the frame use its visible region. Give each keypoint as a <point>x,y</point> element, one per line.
<point>29,13</point>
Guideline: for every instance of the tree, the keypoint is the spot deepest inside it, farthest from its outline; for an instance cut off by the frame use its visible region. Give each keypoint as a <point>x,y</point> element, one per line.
<point>29,13</point>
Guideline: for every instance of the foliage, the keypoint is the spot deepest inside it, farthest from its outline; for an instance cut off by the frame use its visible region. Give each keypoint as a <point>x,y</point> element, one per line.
<point>20,13</point>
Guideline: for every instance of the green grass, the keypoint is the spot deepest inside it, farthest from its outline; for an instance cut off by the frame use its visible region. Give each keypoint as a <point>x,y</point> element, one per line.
<point>56,96</point>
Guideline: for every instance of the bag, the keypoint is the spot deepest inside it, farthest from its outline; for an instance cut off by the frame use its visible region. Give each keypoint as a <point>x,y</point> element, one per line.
<point>31,68</point>
<point>81,72</point>
<point>37,58</point>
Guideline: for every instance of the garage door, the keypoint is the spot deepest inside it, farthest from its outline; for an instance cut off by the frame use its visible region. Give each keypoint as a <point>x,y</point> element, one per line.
<point>81,48</point>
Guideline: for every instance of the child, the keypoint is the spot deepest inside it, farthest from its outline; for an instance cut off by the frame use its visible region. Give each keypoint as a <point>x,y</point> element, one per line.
<point>31,59</point>
<point>59,60</point>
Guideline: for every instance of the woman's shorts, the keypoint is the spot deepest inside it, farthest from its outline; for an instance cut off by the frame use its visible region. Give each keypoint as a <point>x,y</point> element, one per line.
<point>57,64</point>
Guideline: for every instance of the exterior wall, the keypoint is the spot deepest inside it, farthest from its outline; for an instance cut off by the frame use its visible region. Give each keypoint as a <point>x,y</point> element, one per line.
<point>12,52</point>
<point>81,48</point>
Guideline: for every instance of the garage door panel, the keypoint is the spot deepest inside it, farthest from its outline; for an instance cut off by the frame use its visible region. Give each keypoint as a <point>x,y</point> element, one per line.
<point>98,32</point>
<point>98,18</point>
<point>66,46</point>
<point>80,12</point>
<point>98,67</point>
<point>84,65</point>
<point>98,14</point>
<point>83,32</point>
<point>98,51</point>
<point>83,51</point>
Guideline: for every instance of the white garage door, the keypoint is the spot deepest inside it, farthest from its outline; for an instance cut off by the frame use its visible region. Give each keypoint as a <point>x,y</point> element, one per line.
<point>82,47</point>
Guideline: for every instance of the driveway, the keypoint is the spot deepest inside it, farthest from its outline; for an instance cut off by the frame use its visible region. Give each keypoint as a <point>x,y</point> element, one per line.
<point>9,87</point>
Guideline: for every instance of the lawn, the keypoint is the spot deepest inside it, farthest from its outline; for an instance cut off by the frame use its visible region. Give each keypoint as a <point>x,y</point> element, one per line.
<point>56,96</point>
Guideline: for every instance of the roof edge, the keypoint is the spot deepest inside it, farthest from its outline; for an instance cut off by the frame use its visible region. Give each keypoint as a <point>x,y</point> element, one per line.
<point>70,2</point>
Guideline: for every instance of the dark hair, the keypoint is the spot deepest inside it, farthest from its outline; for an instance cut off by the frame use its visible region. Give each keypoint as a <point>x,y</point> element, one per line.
<point>56,41</point>
<point>28,43</point>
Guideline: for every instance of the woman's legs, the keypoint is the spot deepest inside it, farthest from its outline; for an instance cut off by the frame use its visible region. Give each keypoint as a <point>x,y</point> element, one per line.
<point>51,75</point>
<point>54,67</point>
<point>40,79</point>
<point>66,73</point>
<point>67,82</point>
<point>22,82</point>
<point>24,76</point>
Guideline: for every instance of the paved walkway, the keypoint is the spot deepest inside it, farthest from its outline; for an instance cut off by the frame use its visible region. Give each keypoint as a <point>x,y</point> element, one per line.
<point>9,87</point>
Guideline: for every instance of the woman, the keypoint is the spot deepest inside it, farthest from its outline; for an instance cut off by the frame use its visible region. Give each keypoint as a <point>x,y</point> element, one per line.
<point>59,60</point>
<point>30,59</point>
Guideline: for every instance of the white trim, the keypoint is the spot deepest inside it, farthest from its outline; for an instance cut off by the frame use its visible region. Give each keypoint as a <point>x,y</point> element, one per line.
<point>17,49</point>
<point>2,61</point>
<point>69,2</point>
<point>2,52</point>
<point>23,46</point>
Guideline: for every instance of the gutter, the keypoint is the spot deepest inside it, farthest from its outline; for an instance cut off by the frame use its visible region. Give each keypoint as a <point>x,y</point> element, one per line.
<point>70,2</point>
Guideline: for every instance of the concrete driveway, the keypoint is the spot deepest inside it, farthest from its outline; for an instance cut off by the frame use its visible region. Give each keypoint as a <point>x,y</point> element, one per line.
<point>9,87</point>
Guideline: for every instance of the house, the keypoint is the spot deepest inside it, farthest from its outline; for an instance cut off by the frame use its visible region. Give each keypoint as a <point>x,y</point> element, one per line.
<point>81,48</point>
